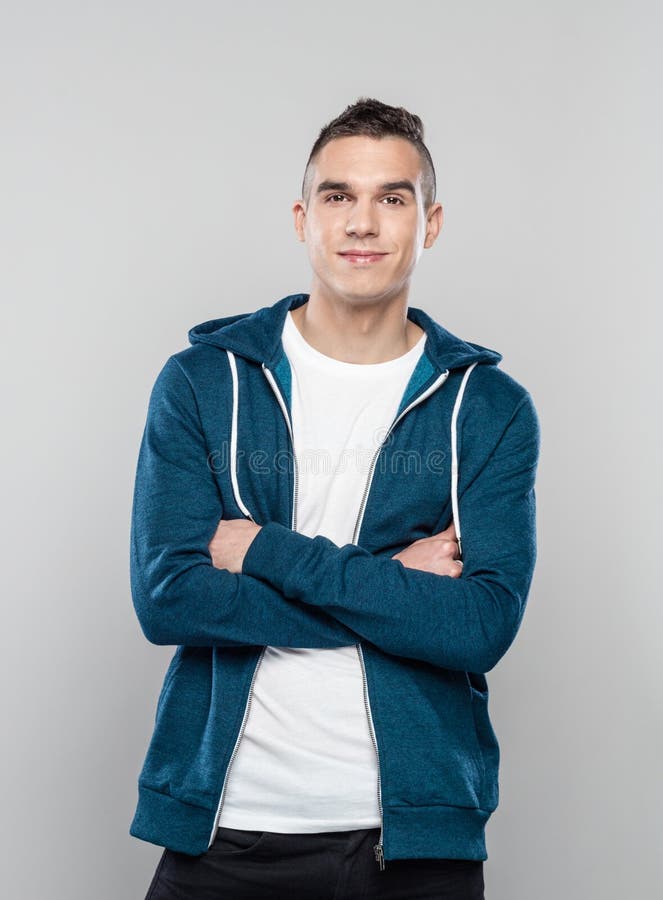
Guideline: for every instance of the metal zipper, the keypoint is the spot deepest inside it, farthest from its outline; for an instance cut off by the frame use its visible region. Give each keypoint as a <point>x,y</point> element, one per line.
<point>378,849</point>
<point>274,387</point>
<point>234,753</point>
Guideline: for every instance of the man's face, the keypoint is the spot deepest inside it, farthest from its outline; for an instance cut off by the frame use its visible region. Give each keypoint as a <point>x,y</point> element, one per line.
<point>366,196</point>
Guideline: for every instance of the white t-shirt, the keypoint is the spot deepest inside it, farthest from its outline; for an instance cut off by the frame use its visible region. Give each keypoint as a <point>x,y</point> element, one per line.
<point>306,761</point>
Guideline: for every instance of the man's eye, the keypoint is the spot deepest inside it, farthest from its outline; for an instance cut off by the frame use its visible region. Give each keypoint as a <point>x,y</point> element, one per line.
<point>391,201</point>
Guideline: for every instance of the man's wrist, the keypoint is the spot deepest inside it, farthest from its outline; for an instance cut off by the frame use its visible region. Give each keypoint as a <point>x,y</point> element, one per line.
<point>271,552</point>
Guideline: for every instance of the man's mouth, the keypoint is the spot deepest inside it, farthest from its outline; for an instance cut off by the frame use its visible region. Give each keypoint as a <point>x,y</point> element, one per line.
<point>362,257</point>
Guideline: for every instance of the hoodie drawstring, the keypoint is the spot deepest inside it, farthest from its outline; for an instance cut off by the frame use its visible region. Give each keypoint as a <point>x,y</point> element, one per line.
<point>233,436</point>
<point>454,457</point>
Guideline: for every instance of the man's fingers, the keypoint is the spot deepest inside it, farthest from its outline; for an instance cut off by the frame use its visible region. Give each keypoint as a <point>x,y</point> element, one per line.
<point>457,570</point>
<point>449,548</point>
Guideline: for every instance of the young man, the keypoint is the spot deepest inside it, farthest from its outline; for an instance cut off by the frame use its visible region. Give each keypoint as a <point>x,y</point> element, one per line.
<point>303,478</point>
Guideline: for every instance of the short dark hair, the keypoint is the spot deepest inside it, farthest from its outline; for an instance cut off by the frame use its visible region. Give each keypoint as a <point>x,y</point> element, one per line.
<point>372,118</point>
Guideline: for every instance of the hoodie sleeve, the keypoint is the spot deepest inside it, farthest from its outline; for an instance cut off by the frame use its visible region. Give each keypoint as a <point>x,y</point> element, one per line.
<point>178,595</point>
<point>465,623</point>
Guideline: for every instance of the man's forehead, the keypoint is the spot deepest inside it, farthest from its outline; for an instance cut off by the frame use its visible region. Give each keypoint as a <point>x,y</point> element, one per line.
<point>360,162</point>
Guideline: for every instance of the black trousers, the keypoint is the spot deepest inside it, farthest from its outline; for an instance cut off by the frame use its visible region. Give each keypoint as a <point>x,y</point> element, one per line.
<point>330,865</point>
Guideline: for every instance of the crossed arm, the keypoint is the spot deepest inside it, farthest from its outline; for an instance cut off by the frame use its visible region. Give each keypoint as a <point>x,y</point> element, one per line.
<point>286,589</point>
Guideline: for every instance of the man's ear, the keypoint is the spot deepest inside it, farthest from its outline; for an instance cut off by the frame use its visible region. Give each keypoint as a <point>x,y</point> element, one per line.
<point>434,219</point>
<point>299,215</point>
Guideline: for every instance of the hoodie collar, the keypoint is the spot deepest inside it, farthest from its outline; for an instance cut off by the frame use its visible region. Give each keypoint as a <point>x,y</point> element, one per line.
<point>257,336</point>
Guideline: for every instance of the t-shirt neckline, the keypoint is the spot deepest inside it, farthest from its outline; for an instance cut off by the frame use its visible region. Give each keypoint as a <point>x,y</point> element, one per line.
<point>340,366</point>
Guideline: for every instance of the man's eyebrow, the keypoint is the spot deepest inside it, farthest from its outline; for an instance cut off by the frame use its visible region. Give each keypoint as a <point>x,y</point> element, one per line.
<point>332,186</point>
<point>404,185</point>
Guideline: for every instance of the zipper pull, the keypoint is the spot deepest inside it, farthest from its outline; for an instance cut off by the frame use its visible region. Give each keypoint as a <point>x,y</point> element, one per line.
<point>379,855</point>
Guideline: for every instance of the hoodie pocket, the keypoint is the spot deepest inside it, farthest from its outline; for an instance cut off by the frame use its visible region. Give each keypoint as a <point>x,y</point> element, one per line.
<point>486,739</point>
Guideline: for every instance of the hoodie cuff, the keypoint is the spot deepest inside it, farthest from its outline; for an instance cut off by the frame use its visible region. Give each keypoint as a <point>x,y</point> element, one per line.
<point>273,552</point>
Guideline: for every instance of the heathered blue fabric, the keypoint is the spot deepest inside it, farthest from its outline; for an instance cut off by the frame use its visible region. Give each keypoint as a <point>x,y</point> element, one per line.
<point>427,640</point>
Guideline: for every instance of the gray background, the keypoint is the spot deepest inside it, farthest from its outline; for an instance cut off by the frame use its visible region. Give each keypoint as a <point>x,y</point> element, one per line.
<point>150,155</point>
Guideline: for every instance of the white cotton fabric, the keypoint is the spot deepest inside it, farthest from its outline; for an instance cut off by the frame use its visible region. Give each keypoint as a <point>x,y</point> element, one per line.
<point>306,761</point>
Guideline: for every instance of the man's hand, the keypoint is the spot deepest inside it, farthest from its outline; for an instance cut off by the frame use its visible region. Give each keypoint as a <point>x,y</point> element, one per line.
<point>230,542</point>
<point>437,553</point>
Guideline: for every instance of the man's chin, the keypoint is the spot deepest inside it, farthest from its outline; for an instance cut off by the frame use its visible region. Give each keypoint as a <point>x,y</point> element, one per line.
<point>361,296</point>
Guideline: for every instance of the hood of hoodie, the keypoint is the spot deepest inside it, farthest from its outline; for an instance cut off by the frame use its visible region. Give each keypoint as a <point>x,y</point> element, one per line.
<point>257,336</point>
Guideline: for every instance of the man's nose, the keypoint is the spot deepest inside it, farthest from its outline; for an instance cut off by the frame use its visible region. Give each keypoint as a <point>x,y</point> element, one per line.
<point>362,220</point>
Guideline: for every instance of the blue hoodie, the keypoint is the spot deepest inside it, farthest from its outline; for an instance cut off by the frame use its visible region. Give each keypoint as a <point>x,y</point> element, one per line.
<point>217,444</point>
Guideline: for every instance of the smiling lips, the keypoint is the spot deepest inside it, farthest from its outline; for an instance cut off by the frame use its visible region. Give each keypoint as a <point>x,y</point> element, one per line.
<point>362,257</point>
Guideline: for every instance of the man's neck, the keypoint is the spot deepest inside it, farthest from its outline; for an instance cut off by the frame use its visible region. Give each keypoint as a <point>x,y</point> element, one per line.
<point>373,333</point>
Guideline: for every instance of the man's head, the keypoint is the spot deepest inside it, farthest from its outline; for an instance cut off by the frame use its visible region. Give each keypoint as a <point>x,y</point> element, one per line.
<point>369,186</point>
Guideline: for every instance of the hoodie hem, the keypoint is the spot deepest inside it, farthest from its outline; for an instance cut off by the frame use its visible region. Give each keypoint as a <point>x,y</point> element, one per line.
<point>163,820</point>
<point>434,832</point>
<point>411,832</point>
